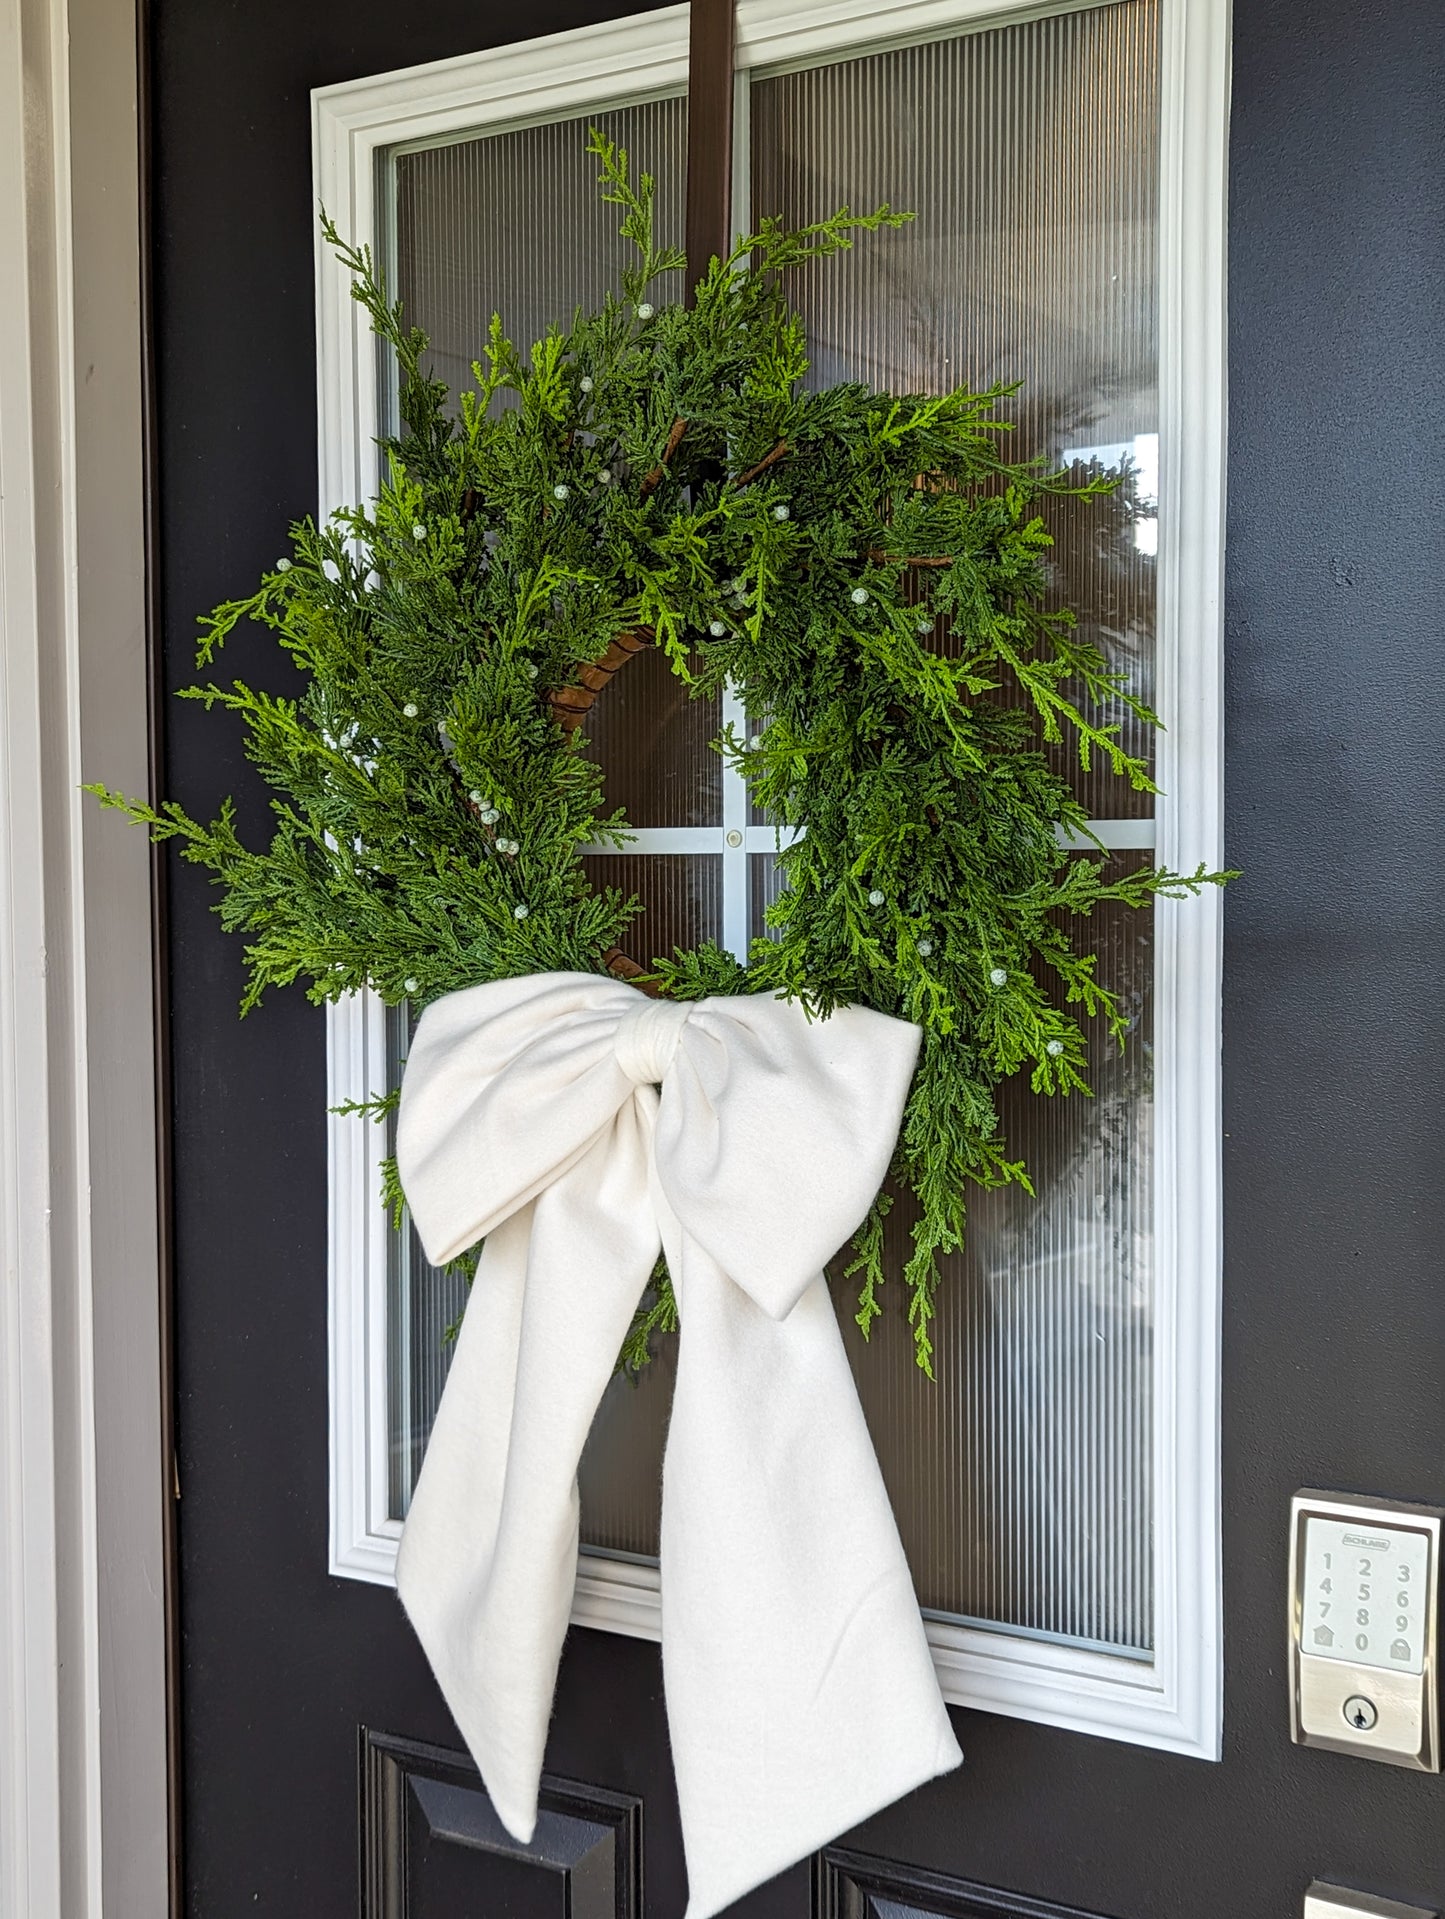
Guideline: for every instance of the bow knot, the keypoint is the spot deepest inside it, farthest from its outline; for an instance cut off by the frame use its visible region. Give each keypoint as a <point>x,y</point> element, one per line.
<point>800,1690</point>
<point>647,1037</point>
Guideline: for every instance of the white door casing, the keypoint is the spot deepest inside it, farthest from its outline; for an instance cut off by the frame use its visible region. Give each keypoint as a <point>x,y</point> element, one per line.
<point>83,1784</point>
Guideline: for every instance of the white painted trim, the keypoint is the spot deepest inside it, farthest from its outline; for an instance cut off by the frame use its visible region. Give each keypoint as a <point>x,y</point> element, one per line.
<point>1173,1701</point>
<point>667,840</point>
<point>738,840</point>
<point>83,1816</point>
<point>1116,835</point>
<point>809,33</point>
<point>363,1537</point>
<point>1189,942</point>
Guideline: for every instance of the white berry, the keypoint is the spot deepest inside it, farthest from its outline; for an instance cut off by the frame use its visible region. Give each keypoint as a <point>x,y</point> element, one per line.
<point>716,628</point>
<point>519,912</point>
<point>475,796</point>
<point>283,566</point>
<point>998,976</point>
<point>780,513</point>
<point>604,478</point>
<point>1054,1048</point>
<point>411,709</point>
<point>859,595</point>
<point>409,985</point>
<point>925,947</point>
<point>490,816</point>
<point>644,312</point>
<point>560,492</point>
<point>531,669</point>
<point>418,531</point>
<point>875,898</point>
<point>585,383</point>
<point>925,626</point>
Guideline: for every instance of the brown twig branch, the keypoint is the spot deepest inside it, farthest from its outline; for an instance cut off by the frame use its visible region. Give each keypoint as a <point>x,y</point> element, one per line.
<point>654,478</point>
<point>768,459</point>
<point>623,968</point>
<point>572,704</point>
<point>880,558</point>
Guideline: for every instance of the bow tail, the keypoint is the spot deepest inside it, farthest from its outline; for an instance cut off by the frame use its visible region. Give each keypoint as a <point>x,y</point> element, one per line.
<point>488,1557</point>
<point>801,1693</point>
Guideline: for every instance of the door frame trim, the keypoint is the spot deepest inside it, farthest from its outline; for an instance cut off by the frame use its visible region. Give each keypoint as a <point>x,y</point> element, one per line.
<point>1174,1701</point>
<point>84,1825</point>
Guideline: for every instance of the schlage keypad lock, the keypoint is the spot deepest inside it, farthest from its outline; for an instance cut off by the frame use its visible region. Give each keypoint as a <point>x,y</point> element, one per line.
<point>1364,1608</point>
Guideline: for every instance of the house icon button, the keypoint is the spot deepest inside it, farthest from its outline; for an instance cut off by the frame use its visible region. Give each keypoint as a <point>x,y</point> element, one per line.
<point>1324,1636</point>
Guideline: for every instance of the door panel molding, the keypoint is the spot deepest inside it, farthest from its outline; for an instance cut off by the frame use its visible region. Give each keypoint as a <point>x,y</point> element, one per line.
<point>585,1859</point>
<point>852,1885</point>
<point>1174,1700</point>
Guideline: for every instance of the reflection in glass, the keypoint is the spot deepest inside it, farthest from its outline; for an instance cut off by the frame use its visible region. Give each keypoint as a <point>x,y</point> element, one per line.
<point>467,240</point>
<point>423,1305</point>
<point>513,223</point>
<point>621,1476</point>
<point>680,894</point>
<point>1022,1479</point>
<point>1030,158</point>
<point>765,884</point>
<point>655,746</point>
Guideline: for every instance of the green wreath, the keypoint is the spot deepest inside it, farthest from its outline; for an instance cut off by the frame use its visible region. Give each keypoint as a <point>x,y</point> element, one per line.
<point>865,569</point>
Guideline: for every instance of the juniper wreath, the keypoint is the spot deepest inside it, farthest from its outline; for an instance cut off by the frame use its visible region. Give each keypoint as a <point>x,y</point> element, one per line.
<point>867,570</point>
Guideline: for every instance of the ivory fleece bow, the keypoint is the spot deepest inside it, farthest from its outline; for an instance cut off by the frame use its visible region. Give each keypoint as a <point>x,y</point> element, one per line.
<point>801,1697</point>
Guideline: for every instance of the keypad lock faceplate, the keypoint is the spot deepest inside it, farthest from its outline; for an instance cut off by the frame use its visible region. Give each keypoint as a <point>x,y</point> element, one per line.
<point>1364,1593</point>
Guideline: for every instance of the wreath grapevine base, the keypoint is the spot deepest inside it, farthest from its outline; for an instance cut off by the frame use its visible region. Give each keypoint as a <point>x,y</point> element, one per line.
<point>867,571</point>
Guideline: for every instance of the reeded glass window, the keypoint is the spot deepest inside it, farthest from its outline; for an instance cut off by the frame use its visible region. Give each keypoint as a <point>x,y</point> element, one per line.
<point>512,223</point>
<point>1022,1479</point>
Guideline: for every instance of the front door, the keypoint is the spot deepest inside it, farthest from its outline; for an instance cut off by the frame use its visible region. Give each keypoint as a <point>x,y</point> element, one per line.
<point>1109,1425</point>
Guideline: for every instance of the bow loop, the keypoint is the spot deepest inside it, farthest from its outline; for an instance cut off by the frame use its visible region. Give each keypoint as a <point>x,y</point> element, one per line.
<point>506,1086</point>
<point>775,1131</point>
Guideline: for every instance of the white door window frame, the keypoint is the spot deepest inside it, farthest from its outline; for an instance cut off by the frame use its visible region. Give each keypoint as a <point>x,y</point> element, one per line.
<point>1173,1700</point>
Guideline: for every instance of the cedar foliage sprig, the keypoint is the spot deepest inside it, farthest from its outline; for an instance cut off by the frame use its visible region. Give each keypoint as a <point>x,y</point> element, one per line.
<point>669,472</point>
